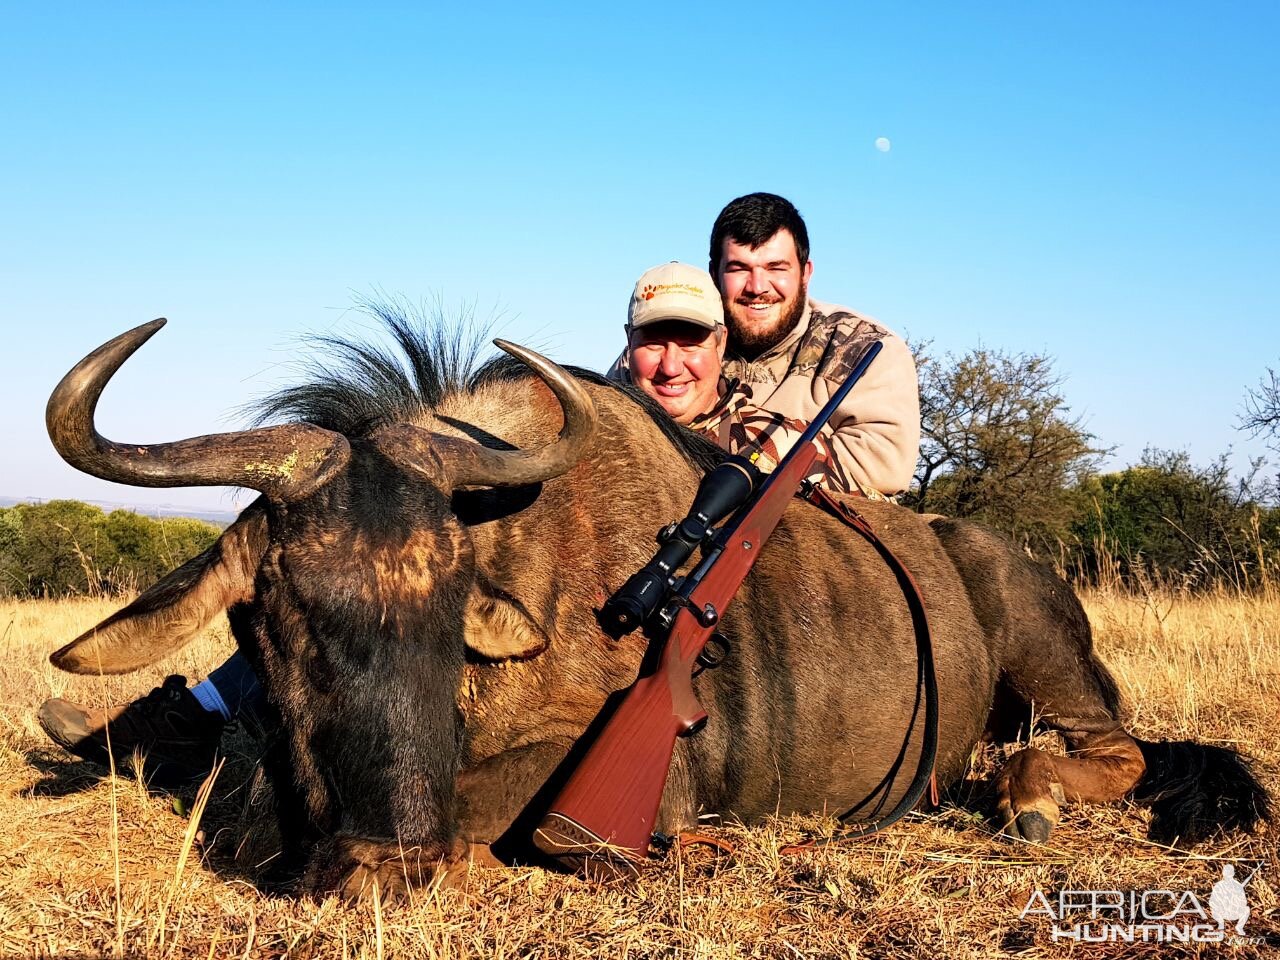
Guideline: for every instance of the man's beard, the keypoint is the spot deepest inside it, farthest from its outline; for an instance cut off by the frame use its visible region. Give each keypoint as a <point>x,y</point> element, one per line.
<point>750,343</point>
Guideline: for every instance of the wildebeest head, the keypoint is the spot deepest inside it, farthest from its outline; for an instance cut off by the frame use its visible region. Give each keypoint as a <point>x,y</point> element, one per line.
<point>349,583</point>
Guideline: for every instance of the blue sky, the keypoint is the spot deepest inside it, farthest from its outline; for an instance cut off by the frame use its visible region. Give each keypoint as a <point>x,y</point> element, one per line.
<point>1094,181</point>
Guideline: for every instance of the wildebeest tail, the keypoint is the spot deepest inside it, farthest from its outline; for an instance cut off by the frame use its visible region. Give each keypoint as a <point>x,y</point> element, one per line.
<point>1195,789</point>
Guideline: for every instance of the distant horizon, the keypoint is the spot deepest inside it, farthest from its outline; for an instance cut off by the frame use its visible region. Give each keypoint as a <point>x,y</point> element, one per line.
<point>155,510</point>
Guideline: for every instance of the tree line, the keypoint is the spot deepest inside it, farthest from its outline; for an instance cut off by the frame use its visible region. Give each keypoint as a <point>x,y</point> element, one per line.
<point>1000,446</point>
<point>64,548</point>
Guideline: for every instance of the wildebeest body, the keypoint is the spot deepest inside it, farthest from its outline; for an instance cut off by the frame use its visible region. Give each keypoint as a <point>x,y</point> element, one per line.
<point>423,620</point>
<point>809,710</point>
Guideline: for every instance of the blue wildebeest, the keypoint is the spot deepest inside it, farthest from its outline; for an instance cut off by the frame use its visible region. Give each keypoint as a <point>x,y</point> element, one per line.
<point>417,588</point>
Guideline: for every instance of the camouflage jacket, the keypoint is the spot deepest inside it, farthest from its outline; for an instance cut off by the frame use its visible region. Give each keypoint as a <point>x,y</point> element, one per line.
<point>738,425</point>
<point>873,440</point>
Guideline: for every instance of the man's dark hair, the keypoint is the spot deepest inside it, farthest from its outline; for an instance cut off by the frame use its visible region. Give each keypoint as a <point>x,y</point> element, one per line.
<point>753,220</point>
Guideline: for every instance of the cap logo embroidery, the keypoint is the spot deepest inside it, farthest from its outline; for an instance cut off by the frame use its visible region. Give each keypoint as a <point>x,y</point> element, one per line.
<point>652,289</point>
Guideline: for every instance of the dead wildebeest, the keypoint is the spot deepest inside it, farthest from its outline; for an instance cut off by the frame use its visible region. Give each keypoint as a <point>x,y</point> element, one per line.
<point>417,589</point>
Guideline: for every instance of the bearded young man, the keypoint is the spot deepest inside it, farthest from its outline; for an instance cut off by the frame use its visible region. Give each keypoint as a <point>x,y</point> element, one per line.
<point>789,352</point>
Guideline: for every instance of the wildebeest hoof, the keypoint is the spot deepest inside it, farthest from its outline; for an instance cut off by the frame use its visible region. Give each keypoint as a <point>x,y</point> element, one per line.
<point>384,881</point>
<point>360,869</point>
<point>1029,794</point>
<point>1033,827</point>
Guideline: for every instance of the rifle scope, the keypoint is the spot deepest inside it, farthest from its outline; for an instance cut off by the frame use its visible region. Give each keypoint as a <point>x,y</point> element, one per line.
<point>721,492</point>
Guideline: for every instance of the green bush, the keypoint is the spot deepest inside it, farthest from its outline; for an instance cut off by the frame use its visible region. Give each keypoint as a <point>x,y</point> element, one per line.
<point>1166,518</point>
<point>65,547</point>
<point>999,445</point>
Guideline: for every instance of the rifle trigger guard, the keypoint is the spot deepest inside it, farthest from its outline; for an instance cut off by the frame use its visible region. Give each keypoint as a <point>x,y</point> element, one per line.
<point>713,652</point>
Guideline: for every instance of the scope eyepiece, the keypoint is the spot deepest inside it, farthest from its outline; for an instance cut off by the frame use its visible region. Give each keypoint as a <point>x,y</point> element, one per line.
<point>724,490</point>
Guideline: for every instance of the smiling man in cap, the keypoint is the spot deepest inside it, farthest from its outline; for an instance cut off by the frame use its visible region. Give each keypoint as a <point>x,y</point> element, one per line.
<point>791,351</point>
<point>676,339</point>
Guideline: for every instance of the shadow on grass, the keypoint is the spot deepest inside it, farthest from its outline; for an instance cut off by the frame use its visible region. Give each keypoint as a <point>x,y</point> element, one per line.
<point>62,776</point>
<point>238,834</point>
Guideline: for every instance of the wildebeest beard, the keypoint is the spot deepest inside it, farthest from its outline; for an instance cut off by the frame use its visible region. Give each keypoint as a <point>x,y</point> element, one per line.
<point>751,342</point>
<point>360,632</point>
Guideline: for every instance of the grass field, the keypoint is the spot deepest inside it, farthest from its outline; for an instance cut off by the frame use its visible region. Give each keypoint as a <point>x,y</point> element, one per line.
<point>100,866</point>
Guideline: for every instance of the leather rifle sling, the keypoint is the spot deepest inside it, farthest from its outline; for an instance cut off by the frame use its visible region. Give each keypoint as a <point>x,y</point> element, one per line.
<point>925,778</point>
<point>928,752</point>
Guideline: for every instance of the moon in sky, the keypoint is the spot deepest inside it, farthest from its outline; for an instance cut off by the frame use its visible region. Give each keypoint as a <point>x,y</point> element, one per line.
<point>883,144</point>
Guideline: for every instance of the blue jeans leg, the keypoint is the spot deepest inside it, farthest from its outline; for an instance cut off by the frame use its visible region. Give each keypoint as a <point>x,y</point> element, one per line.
<point>238,686</point>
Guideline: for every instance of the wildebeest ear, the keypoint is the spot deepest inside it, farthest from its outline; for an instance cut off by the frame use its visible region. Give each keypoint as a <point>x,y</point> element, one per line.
<point>176,609</point>
<point>498,627</point>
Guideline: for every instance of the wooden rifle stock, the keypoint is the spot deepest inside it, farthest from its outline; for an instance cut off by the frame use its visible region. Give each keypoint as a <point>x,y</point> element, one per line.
<point>605,814</point>
<point>602,819</point>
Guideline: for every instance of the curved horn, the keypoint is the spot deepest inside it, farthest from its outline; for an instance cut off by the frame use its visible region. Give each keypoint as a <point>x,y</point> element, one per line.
<point>472,465</point>
<point>284,462</point>
<point>464,463</point>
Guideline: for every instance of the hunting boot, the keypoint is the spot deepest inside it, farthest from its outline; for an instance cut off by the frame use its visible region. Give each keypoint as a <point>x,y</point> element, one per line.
<point>175,737</point>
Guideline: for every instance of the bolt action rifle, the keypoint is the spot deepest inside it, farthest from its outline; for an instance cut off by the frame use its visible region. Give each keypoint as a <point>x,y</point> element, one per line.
<point>603,817</point>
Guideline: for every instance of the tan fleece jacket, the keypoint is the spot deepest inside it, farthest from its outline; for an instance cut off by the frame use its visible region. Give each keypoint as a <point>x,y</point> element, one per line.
<point>874,436</point>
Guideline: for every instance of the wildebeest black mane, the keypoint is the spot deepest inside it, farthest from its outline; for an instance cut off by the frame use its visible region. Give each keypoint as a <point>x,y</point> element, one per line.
<point>354,386</point>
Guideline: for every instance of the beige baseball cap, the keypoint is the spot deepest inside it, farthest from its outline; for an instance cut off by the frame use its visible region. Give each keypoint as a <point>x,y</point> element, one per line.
<point>676,291</point>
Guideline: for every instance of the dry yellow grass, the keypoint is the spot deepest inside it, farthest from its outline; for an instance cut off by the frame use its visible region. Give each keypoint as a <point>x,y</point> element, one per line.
<point>94,866</point>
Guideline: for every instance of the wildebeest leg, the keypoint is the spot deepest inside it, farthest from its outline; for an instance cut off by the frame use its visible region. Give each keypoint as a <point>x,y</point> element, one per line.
<point>678,811</point>
<point>1101,766</point>
<point>492,793</point>
<point>1040,637</point>
<point>1047,663</point>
